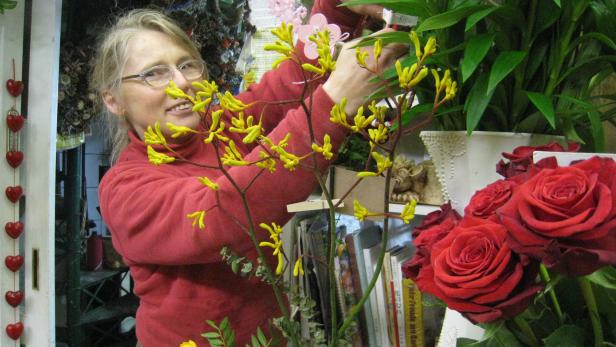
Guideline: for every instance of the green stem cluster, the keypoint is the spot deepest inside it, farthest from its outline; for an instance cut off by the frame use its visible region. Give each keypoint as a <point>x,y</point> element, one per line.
<point>593,312</point>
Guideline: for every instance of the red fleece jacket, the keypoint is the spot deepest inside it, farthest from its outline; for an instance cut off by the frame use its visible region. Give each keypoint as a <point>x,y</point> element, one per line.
<point>177,269</point>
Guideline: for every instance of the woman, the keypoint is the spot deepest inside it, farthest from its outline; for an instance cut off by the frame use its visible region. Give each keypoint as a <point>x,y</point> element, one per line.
<point>178,272</point>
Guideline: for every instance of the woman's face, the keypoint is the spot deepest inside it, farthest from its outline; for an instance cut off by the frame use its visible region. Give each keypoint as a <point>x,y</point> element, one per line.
<point>142,104</point>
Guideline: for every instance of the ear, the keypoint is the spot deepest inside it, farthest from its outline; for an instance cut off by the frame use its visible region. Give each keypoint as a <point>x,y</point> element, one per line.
<point>113,104</point>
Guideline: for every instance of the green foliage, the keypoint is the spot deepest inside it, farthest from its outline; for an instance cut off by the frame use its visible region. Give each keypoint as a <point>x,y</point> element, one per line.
<point>308,309</point>
<point>260,340</point>
<point>7,5</point>
<point>605,277</point>
<point>239,265</point>
<point>222,336</point>
<point>523,65</point>
<point>567,335</point>
<point>354,153</point>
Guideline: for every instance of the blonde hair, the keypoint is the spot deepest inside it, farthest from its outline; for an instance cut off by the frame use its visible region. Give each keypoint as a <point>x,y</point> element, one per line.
<point>112,55</point>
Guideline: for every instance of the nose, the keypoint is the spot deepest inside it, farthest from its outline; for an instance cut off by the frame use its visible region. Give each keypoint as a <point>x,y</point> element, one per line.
<point>180,80</point>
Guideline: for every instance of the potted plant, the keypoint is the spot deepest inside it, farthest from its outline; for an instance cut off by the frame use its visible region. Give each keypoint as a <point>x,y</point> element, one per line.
<point>522,65</point>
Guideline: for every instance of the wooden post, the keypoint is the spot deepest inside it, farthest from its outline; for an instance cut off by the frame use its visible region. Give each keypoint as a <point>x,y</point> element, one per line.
<point>11,50</point>
<point>38,172</point>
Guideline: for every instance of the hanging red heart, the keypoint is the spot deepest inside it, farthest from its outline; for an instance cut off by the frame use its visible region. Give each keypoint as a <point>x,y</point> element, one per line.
<point>14,158</point>
<point>15,121</point>
<point>14,193</point>
<point>15,88</point>
<point>14,262</point>
<point>14,229</point>
<point>15,330</point>
<point>14,298</point>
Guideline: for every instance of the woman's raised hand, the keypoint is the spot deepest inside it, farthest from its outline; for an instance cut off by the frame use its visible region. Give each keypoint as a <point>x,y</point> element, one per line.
<point>353,81</point>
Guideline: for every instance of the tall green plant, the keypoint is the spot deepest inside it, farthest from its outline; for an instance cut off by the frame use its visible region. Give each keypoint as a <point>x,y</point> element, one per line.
<point>523,65</point>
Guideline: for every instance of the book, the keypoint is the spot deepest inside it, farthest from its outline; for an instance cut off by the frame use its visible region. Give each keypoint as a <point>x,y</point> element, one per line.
<point>317,241</point>
<point>413,311</point>
<point>397,259</point>
<point>311,205</point>
<point>387,278</point>
<point>347,296</point>
<point>367,236</point>
<point>378,297</point>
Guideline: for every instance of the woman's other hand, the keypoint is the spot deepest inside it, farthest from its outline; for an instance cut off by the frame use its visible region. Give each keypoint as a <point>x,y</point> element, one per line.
<point>353,81</point>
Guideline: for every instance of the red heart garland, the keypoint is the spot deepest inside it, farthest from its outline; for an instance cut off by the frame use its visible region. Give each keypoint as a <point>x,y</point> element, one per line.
<point>14,298</point>
<point>14,262</point>
<point>15,330</point>
<point>14,193</point>
<point>15,88</point>
<point>15,121</point>
<point>14,229</point>
<point>14,158</point>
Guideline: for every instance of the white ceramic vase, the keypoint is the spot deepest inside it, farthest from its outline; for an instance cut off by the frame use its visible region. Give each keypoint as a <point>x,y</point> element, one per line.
<point>465,164</point>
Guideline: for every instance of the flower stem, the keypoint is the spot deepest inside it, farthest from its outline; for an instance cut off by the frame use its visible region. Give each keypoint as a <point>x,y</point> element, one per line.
<point>545,276</point>
<point>526,330</point>
<point>591,304</point>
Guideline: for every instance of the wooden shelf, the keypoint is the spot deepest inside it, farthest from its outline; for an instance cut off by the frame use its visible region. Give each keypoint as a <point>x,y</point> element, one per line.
<point>420,210</point>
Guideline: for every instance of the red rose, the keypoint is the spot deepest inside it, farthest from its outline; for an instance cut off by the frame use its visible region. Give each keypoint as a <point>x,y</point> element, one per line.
<point>474,271</point>
<point>433,228</point>
<point>522,157</point>
<point>485,201</point>
<point>423,246</point>
<point>566,217</point>
<point>437,217</point>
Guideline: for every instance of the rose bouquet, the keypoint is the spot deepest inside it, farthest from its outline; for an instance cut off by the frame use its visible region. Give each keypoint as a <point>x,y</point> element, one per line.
<point>532,259</point>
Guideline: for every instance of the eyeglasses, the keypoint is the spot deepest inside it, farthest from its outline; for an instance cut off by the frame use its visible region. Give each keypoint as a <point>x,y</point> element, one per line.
<point>160,75</point>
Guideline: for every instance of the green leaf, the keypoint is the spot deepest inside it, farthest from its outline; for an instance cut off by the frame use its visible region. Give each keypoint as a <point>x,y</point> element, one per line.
<point>386,38</point>
<point>570,132</point>
<point>557,2</point>
<point>235,265</point>
<point>254,341</point>
<point>247,268</point>
<point>596,130</point>
<point>604,16</point>
<point>212,324</point>
<point>544,105</point>
<point>224,324</point>
<point>595,61</point>
<point>413,113</point>
<point>477,16</point>
<point>261,337</point>
<point>567,335</point>
<point>600,37</point>
<point>210,335</point>
<point>474,52</point>
<point>448,18</point>
<point>476,103</point>
<point>418,8</point>
<point>547,14</point>
<point>465,342</point>
<point>605,277</point>
<point>503,65</point>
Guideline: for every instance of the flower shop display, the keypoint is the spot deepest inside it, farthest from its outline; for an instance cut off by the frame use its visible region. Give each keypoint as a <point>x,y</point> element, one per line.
<point>532,260</point>
<point>383,132</point>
